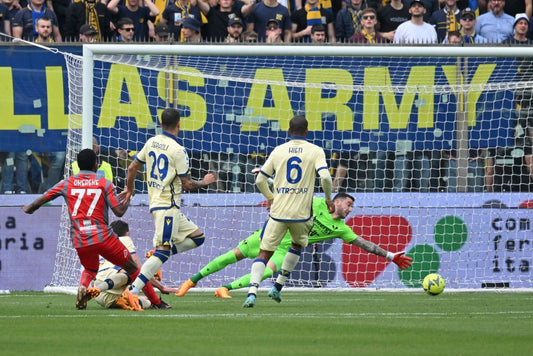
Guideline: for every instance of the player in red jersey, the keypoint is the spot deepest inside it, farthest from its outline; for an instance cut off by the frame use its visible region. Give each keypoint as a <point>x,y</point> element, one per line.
<point>88,197</point>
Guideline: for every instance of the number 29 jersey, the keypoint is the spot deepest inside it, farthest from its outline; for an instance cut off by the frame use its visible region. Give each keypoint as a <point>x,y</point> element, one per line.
<point>166,161</point>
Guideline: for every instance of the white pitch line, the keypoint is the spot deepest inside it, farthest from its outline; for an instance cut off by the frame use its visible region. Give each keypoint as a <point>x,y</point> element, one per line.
<point>260,315</point>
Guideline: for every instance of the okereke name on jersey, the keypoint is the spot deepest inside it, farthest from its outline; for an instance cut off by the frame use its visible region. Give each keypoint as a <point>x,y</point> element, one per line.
<point>85,182</point>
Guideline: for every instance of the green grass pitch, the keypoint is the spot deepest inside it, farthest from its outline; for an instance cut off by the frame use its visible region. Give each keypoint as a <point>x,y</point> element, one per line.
<point>305,323</point>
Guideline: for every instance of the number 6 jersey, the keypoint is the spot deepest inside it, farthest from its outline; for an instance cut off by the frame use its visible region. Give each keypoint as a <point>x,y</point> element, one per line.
<point>166,161</point>
<point>295,165</point>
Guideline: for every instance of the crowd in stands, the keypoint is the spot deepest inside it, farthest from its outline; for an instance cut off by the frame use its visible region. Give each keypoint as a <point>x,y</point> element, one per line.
<point>341,21</point>
<point>451,22</point>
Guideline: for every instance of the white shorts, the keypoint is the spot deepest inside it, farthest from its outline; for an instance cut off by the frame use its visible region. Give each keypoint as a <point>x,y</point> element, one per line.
<point>274,231</point>
<point>171,227</point>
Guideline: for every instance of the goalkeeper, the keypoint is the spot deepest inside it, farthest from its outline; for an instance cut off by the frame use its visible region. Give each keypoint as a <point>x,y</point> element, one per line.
<point>326,226</point>
<point>119,296</point>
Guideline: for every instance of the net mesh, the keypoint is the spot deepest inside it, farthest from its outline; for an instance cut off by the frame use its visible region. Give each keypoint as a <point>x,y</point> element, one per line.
<point>427,145</point>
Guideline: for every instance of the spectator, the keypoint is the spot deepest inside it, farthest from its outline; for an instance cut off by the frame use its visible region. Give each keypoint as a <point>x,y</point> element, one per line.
<point>368,33</point>
<point>216,28</point>
<point>430,5</point>
<point>476,170</point>
<point>348,20</point>
<point>125,30</point>
<point>454,38</point>
<point>468,23</point>
<point>495,25</point>
<point>416,31</point>
<point>273,32</point>
<point>13,8</point>
<point>446,20</point>
<point>162,33</point>
<point>521,25</point>
<point>514,7</point>
<point>54,162</point>
<point>59,7</point>
<point>523,97</point>
<point>5,21</point>
<point>318,34</point>
<point>14,163</point>
<point>263,13</point>
<point>311,14</point>
<point>90,12</point>
<point>235,29</point>
<point>104,169</point>
<point>392,16</point>
<point>44,30</point>
<point>175,13</point>
<point>88,34</point>
<point>142,16</point>
<point>191,30</point>
<point>25,23</point>
<point>250,37</point>
<point>416,170</point>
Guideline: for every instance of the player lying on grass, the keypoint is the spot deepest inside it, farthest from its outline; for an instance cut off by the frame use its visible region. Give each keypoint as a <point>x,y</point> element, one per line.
<point>119,296</point>
<point>326,226</point>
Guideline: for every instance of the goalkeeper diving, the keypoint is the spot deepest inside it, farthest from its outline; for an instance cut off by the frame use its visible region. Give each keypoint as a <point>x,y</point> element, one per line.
<point>326,226</point>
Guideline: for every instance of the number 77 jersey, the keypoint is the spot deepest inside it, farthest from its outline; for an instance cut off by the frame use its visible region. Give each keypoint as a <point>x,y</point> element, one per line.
<point>166,161</point>
<point>88,198</point>
<point>295,164</point>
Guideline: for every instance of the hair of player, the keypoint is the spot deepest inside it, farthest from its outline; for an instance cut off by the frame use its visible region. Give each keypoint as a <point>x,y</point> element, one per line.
<point>298,125</point>
<point>86,159</point>
<point>170,117</point>
<point>120,227</point>
<point>343,195</point>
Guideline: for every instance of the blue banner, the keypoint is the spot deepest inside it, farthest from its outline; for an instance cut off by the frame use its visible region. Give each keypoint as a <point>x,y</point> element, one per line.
<point>128,102</point>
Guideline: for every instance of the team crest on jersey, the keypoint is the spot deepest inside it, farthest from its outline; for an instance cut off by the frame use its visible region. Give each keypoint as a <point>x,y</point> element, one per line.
<point>125,253</point>
<point>168,221</point>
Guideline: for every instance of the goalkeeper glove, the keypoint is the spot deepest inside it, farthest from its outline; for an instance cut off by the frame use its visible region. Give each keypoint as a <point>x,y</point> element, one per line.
<point>402,261</point>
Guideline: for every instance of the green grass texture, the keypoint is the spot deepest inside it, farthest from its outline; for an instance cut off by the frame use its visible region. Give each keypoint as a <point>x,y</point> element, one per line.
<point>304,323</point>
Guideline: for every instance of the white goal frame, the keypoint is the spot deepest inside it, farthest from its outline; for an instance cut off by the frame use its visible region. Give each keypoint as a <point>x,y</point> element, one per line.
<point>461,53</point>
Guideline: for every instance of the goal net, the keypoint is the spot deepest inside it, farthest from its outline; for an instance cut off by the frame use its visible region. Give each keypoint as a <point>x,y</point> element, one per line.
<point>431,141</point>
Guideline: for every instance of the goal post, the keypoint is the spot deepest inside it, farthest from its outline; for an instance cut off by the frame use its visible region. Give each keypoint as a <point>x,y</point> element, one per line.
<point>423,137</point>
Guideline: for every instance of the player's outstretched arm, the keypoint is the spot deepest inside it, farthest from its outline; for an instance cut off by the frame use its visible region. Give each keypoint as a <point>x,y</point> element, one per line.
<point>36,204</point>
<point>398,258</point>
<point>164,289</point>
<point>190,184</point>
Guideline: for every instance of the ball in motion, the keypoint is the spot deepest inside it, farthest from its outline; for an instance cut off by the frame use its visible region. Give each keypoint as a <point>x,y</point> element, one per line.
<point>433,284</point>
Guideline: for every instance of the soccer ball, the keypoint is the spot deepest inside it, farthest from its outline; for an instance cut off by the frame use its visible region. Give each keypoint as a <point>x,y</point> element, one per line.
<point>433,284</point>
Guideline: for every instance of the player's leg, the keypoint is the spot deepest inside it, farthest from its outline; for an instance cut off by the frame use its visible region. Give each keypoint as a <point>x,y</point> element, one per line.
<point>272,266</point>
<point>89,259</point>
<point>300,236</point>
<point>272,234</point>
<point>166,226</point>
<point>115,252</point>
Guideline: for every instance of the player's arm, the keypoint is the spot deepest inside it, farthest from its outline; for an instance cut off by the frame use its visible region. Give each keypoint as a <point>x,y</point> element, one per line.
<point>191,184</point>
<point>398,258</point>
<point>326,183</point>
<point>129,189</point>
<point>121,208</point>
<point>164,289</point>
<point>36,204</point>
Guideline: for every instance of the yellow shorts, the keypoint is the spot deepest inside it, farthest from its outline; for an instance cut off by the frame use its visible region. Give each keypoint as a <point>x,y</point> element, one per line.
<point>274,231</point>
<point>171,227</point>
